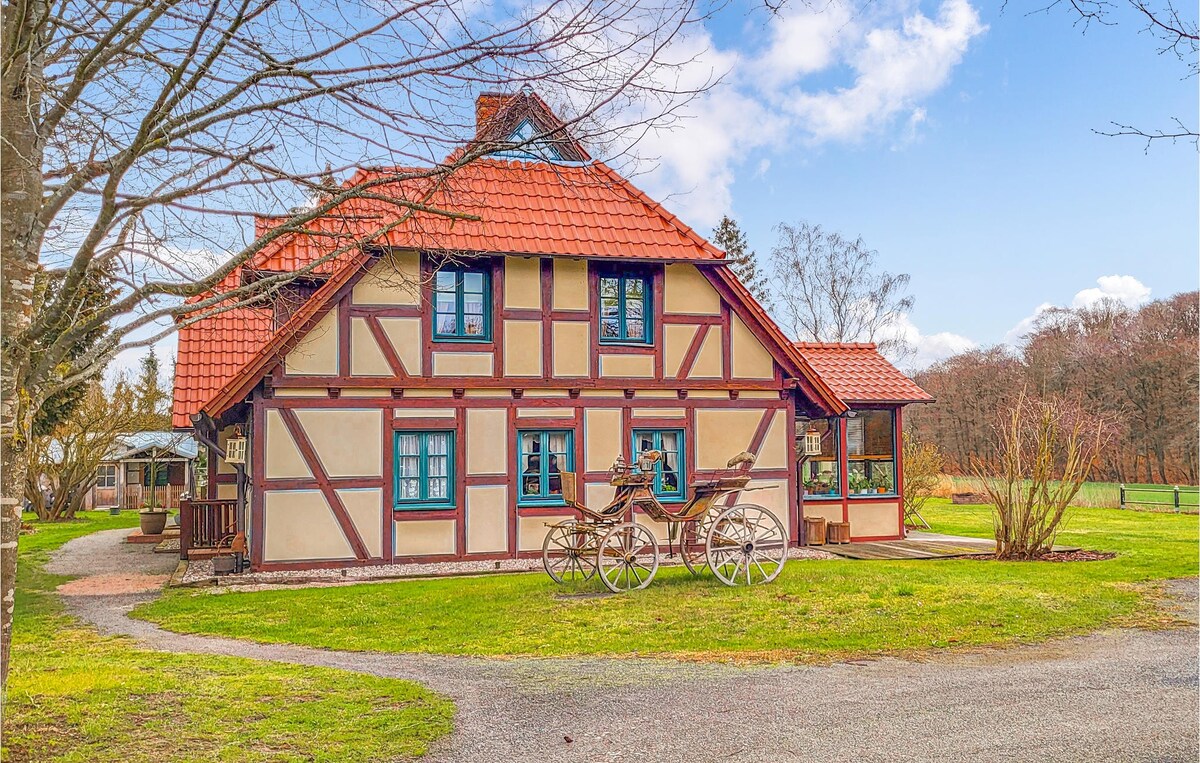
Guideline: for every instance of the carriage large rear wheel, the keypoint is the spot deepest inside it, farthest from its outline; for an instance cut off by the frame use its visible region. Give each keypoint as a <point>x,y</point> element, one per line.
<point>692,542</point>
<point>569,552</point>
<point>627,557</point>
<point>746,545</point>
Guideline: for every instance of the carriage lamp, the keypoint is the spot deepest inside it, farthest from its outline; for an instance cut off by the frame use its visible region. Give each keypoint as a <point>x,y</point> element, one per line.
<point>812,442</point>
<point>235,448</point>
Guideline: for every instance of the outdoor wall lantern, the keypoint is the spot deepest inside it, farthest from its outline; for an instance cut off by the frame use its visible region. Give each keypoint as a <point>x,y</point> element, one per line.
<point>812,441</point>
<point>235,447</point>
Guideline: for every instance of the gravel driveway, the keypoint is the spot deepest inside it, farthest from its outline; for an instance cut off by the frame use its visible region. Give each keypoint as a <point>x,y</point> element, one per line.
<point>1125,695</point>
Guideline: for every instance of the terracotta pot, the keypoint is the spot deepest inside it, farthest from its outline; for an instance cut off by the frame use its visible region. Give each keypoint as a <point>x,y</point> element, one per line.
<point>152,522</point>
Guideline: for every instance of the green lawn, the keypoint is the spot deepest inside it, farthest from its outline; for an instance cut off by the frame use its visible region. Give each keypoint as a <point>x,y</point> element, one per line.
<point>76,696</point>
<point>816,610</point>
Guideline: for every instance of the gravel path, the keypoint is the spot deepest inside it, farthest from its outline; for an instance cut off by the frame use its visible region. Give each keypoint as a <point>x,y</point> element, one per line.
<point>1118,696</point>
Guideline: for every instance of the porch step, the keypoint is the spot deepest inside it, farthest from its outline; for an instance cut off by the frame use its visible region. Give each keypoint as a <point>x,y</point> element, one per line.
<point>137,537</point>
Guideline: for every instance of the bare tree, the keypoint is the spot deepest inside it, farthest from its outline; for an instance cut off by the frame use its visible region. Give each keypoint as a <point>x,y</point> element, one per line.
<point>923,465</point>
<point>1046,448</point>
<point>137,139</point>
<point>829,289</point>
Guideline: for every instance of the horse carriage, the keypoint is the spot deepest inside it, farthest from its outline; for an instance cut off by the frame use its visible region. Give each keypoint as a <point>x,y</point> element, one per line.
<point>743,544</point>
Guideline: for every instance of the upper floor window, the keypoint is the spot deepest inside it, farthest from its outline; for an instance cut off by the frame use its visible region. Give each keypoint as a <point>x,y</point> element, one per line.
<point>462,304</point>
<point>424,470</point>
<point>668,472</point>
<point>624,309</point>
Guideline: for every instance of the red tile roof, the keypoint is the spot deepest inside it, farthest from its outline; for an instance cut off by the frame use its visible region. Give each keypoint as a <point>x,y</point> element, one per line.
<point>211,352</point>
<point>859,374</point>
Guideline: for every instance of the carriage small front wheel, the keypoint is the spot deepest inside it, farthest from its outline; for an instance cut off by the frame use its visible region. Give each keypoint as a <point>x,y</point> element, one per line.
<point>569,552</point>
<point>746,545</point>
<point>627,557</point>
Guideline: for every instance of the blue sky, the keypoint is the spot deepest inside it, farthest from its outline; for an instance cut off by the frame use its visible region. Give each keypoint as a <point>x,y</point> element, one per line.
<point>960,147</point>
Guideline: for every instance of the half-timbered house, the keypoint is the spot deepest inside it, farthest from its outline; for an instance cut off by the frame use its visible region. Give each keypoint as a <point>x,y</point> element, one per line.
<point>420,398</point>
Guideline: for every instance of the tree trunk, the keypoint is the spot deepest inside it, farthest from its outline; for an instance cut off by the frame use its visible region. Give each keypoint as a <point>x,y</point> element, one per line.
<point>21,150</point>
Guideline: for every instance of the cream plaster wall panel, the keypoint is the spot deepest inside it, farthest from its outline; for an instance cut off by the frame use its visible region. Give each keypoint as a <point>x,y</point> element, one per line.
<point>830,510</point>
<point>522,348</point>
<point>487,519</point>
<point>317,353</point>
<point>709,361</point>
<point>361,392</point>
<point>300,392</point>
<point>532,393</point>
<point>428,393</point>
<point>709,394</point>
<point>722,434</point>
<point>531,531</point>
<point>659,413</point>
<point>601,393</point>
<point>487,441</point>
<point>644,394</point>
<point>365,507</point>
<point>601,438</point>
<point>283,459</point>
<point>226,490</point>
<point>570,284</point>
<point>660,530</point>
<point>677,338</point>
<point>750,359</point>
<point>774,498</point>
<point>347,440</point>
<point>405,336</point>
<point>462,364</point>
<point>774,452</point>
<point>627,366</point>
<point>424,537</point>
<point>222,437</point>
<point>298,524</point>
<point>424,413</point>
<point>686,290</point>
<point>571,342</point>
<point>599,494</point>
<point>366,359</point>
<point>523,283</point>
<point>546,413</point>
<point>870,520</point>
<point>759,394</point>
<point>487,393</point>
<point>394,280</point>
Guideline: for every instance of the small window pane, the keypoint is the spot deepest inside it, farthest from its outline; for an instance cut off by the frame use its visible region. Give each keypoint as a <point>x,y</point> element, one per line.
<point>439,444</point>
<point>473,283</point>
<point>634,329</point>
<point>445,280</point>
<point>633,289</point>
<point>446,324</point>
<point>609,327</point>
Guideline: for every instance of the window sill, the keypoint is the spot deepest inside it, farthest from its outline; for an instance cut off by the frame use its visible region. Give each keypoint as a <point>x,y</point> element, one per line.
<point>546,504</point>
<point>626,343</point>
<point>825,497</point>
<point>413,508</point>
<point>872,496</point>
<point>462,340</point>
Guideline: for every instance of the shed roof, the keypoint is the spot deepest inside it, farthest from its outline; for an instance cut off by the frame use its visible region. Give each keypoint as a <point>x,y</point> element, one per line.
<point>859,374</point>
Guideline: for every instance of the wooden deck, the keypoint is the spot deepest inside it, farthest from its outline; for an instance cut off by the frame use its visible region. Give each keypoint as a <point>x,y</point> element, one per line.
<point>920,545</point>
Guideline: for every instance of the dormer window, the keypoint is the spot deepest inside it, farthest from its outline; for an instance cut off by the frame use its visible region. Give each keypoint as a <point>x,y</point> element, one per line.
<point>525,147</point>
<point>462,304</point>
<point>625,309</point>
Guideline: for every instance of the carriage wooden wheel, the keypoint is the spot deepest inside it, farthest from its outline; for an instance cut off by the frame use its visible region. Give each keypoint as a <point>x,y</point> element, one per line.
<point>746,545</point>
<point>569,552</point>
<point>693,543</point>
<point>627,557</point>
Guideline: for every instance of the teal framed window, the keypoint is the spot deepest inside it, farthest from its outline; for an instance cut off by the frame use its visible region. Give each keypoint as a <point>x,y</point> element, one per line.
<point>625,314</point>
<point>542,456</point>
<point>424,470</point>
<point>669,478</point>
<point>871,452</point>
<point>462,304</point>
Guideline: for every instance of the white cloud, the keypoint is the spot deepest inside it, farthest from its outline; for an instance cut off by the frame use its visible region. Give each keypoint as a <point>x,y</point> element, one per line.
<point>928,348</point>
<point>895,69</point>
<point>1127,290</point>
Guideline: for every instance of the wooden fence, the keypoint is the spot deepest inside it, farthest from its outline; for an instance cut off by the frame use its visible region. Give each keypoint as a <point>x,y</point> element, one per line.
<point>206,524</point>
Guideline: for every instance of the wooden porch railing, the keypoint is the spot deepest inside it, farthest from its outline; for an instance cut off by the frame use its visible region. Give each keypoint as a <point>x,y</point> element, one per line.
<point>204,524</point>
<point>165,496</point>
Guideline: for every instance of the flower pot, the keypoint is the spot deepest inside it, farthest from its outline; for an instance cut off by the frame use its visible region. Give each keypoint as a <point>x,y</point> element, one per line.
<point>224,565</point>
<point>881,489</point>
<point>115,511</point>
<point>152,522</point>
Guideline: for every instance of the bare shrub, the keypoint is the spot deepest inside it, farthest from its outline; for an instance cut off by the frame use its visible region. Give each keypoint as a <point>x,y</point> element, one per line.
<point>923,464</point>
<point>1045,450</point>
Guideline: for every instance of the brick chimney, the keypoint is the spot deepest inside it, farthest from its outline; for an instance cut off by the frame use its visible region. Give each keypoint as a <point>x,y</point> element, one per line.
<point>486,106</point>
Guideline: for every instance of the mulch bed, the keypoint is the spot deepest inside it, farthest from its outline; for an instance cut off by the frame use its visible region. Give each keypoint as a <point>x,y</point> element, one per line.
<point>1063,556</point>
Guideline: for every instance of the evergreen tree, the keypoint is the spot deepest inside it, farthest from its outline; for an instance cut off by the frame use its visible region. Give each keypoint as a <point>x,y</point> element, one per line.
<point>742,259</point>
<point>150,399</point>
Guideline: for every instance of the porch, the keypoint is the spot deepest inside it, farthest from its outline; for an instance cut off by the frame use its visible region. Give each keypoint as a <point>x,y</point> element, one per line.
<point>920,545</point>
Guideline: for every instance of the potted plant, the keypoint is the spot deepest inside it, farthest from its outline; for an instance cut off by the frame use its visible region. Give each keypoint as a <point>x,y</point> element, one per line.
<point>153,520</point>
<point>859,482</point>
<point>882,482</point>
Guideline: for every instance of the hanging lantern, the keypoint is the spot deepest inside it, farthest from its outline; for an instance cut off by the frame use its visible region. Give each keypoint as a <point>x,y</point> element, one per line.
<point>235,448</point>
<point>812,442</point>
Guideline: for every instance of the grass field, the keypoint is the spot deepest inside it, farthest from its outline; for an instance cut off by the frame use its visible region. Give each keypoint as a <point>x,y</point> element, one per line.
<point>815,611</point>
<point>1108,494</point>
<point>76,696</point>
